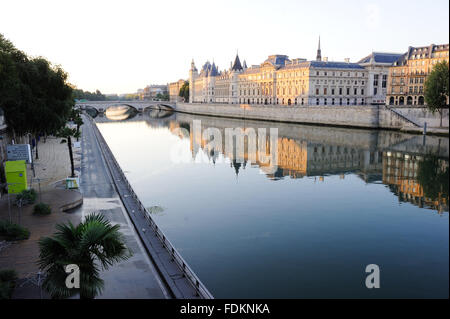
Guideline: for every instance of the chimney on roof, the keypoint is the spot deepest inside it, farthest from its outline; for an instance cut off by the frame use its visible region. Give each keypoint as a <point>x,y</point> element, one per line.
<point>347,60</point>
<point>325,59</point>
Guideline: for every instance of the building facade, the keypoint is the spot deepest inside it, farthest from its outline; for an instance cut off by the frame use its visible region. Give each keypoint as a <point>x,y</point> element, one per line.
<point>151,91</point>
<point>408,74</point>
<point>174,90</point>
<point>378,64</point>
<point>283,81</point>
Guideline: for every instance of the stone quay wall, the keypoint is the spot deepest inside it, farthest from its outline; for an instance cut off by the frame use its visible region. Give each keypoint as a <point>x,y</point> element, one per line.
<point>362,116</point>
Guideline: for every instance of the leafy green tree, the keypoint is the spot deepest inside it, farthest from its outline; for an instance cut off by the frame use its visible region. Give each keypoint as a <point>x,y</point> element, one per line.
<point>93,245</point>
<point>67,133</point>
<point>437,87</point>
<point>184,91</point>
<point>34,95</point>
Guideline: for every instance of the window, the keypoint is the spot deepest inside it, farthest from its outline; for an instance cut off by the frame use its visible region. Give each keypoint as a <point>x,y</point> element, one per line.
<point>375,80</point>
<point>325,91</point>
<point>375,91</point>
<point>317,91</point>
<point>362,91</point>
<point>317,101</point>
<point>355,91</point>
<point>383,84</point>
<point>340,91</point>
<point>348,91</point>
<point>332,91</point>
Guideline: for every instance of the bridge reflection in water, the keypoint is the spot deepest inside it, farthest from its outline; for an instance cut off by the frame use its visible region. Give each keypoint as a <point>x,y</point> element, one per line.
<point>340,198</point>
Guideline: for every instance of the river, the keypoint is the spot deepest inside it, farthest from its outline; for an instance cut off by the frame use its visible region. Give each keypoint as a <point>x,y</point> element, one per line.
<point>336,201</point>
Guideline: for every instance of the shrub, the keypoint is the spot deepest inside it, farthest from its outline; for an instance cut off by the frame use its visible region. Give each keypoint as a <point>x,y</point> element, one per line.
<point>10,231</point>
<point>42,209</point>
<point>8,279</point>
<point>27,196</point>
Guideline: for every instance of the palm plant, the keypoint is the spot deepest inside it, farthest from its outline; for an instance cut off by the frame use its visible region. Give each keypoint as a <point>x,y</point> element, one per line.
<point>93,245</point>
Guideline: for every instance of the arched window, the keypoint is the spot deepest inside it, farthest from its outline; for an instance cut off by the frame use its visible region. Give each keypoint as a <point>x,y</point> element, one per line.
<point>409,100</point>
<point>391,100</point>
<point>402,101</point>
<point>289,102</point>
<point>421,100</point>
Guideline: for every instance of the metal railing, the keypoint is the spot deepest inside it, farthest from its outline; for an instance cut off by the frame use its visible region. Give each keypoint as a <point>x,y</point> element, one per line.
<point>199,287</point>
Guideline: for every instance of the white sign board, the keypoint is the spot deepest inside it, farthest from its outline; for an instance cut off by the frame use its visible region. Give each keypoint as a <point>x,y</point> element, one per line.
<point>18,152</point>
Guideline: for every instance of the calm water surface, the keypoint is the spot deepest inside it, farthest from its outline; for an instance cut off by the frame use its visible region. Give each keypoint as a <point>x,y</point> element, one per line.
<point>338,201</point>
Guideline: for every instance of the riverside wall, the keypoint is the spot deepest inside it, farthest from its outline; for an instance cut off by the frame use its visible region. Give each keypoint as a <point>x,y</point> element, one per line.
<point>367,116</point>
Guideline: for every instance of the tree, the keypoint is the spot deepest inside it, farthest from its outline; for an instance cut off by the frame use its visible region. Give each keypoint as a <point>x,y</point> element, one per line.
<point>34,95</point>
<point>184,91</point>
<point>436,88</point>
<point>93,245</point>
<point>67,133</point>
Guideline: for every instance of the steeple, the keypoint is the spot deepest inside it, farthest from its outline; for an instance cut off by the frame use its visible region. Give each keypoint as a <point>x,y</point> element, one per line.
<point>319,52</point>
<point>237,64</point>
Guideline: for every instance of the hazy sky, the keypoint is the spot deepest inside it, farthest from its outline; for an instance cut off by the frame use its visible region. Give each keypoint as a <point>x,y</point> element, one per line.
<point>120,46</point>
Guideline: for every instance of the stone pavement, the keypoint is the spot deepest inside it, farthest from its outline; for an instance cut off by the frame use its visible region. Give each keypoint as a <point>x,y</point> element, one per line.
<point>53,164</point>
<point>136,277</point>
<point>23,255</point>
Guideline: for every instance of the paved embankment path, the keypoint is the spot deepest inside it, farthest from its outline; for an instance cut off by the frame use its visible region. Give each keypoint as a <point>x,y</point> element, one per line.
<point>174,278</point>
<point>137,277</point>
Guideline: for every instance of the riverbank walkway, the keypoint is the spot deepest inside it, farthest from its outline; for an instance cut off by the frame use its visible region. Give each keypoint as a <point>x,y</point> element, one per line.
<point>175,282</point>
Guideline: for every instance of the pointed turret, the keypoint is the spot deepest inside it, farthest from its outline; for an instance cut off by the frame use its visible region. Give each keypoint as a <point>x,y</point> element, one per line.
<point>237,64</point>
<point>244,65</point>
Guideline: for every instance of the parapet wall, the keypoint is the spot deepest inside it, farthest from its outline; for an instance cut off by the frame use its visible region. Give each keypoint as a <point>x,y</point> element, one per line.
<point>357,116</point>
<point>366,116</point>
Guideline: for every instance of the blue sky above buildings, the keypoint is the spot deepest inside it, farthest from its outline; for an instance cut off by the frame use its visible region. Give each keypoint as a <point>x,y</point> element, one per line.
<point>120,46</point>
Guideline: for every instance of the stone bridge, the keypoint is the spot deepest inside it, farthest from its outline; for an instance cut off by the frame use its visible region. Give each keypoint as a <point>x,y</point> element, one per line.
<point>102,106</point>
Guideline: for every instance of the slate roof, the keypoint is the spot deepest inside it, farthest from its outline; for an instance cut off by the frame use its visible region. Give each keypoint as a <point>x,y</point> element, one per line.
<point>380,57</point>
<point>335,65</point>
<point>237,64</point>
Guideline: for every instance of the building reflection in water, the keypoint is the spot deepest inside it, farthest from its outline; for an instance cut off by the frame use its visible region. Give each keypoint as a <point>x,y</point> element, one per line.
<point>300,158</point>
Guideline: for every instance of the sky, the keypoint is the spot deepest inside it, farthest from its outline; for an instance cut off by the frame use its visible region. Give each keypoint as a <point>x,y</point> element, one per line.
<point>121,46</point>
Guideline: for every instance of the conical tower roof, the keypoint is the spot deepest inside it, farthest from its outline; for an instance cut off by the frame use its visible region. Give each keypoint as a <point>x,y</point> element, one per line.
<point>237,64</point>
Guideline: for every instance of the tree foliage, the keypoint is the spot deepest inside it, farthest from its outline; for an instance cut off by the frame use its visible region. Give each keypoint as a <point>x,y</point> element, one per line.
<point>93,245</point>
<point>437,87</point>
<point>184,91</point>
<point>90,96</point>
<point>34,95</point>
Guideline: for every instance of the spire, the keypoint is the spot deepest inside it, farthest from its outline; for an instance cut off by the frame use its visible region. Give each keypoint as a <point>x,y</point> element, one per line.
<point>319,52</point>
<point>244,65</point>
<point>237,64</point>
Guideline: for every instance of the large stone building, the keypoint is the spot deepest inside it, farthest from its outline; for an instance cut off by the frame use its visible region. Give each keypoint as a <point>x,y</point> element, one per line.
<point>408,74</point>
<point>283,81</point>
<point>174,91</point>
<point>151,91</point>
<point>378,64</point>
